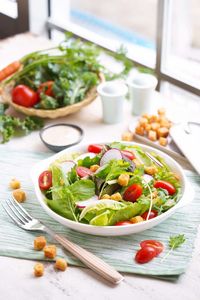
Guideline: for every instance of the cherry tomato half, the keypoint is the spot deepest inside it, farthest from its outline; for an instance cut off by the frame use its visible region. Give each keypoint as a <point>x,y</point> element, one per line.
<point>159,247</point>
<point>24,96</point>
<point>46,88</point>
<point>144,255</point>
<point>45,180</point>
<point>152,214</point>
<point>165,185</point>
<point>128,154</point>
<point>83,171</point>
<point>121,223</point>
<point>133,192</point>
<point>95,148</point>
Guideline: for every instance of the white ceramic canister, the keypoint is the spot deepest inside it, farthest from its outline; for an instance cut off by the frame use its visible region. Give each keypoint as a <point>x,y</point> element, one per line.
<point>141,87</point>
<point>112,95</point>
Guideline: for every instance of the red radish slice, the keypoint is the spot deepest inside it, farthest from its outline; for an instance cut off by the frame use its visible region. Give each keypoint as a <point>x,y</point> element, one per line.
<point>67,165</point>
<point>128,154</point>
<point>147,178</point>
<point>85,203</point>
<point>110,155</point>
<point>83,172</point>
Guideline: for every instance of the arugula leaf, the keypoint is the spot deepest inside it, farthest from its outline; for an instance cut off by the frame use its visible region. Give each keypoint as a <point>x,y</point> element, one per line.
<point>87,161</point>
<point>176,241</point>
<point>112,170</point>
<point>72,175</point>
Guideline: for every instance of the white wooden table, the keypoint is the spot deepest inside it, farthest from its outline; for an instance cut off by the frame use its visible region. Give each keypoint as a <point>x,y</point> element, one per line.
<point>16,279</point>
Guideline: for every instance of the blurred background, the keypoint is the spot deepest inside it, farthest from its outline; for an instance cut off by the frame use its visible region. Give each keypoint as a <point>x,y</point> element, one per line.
<point>162,35</point>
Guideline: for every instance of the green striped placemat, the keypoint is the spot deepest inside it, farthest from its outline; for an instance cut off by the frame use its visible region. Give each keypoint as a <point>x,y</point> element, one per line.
<point>117,251</point>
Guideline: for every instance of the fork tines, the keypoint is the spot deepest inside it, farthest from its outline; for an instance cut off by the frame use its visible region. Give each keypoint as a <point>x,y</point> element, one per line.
<point>16,212</point>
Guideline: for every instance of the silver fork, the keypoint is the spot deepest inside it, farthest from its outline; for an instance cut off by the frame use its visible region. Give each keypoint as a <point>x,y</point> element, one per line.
<point>24,220</point>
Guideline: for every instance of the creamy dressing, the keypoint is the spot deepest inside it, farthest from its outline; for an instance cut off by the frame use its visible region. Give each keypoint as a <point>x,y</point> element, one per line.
<point>61,135</point>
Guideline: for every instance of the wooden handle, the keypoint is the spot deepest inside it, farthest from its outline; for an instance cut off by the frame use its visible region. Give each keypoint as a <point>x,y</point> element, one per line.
<point>91,261</point>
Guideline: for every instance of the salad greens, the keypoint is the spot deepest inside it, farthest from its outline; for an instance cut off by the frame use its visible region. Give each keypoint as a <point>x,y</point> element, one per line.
<point>11,126</point>
<point>109,212</point>
<point>65,195</point>
<point>72,69</point>
<point>101,197</point>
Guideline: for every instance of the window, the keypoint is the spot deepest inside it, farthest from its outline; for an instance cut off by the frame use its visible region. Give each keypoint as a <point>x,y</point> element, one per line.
<point>119,22</point>
<point>9,8</point>
<point>181,52</point>
<point>160,34</point>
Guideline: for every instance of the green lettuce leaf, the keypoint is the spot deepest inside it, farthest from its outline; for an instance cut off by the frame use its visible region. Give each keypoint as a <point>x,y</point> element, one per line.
<point>64,195</point>
<point>63,203</point>
<point>112,170</point>
<point>82,189</point>
<point>88,161</point>
<point>101,220</point>
<point>109,212</point>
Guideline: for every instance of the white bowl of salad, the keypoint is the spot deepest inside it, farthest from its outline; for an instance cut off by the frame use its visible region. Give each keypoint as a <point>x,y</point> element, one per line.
<point>110,189</point>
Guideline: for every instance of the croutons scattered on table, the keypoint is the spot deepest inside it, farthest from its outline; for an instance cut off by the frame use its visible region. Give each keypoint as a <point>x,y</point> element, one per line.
<point>50,251</point>
<point>60,264</point>
<point>39,243</point>
<point>38,270</point>
<point>15,184</point>
<point>19,195</point>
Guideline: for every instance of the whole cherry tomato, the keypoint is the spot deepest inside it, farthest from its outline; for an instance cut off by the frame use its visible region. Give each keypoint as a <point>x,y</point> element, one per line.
<point>121,223</point>
<point>95,148</point>
<point>144,255</point>
<point>45,180</point>
<point>165,185</point>
<point>159,247</point>
<point>46,88</point>
<point>133,192</point>
<point>153,214</point>
<point>128,154</point>
<point>83,171</point>
<point>24,96</point>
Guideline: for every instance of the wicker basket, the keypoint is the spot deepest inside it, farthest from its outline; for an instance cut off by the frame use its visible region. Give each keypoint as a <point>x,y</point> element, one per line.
<point>53,113</point>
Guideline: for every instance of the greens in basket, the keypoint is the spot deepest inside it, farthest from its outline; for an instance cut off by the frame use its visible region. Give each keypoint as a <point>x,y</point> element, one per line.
<point>59,76</point>
<point>11,126</point>
<point>115,184</point>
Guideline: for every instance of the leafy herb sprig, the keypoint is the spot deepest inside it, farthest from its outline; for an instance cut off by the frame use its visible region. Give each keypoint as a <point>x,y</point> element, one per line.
<point>11,126</point>
<point>174,243</point>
